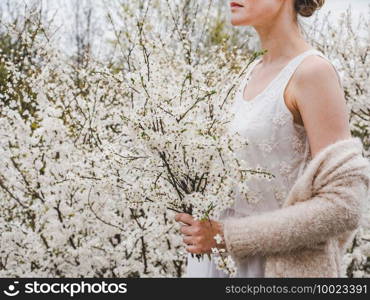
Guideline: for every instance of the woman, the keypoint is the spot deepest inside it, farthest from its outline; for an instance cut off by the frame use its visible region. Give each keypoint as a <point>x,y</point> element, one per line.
<point>290,106</point>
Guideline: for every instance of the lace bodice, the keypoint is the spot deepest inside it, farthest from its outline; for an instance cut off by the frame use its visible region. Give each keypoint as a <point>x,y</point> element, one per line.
<point>276,143</point>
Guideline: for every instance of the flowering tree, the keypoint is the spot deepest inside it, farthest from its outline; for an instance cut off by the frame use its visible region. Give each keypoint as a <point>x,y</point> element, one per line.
<point>96,157</point>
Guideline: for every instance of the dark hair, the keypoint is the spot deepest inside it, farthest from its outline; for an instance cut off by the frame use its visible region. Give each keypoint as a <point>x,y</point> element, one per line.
<point>306,8</point>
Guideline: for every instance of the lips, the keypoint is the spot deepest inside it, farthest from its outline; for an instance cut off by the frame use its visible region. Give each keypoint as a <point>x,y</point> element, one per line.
<point>235,4</point>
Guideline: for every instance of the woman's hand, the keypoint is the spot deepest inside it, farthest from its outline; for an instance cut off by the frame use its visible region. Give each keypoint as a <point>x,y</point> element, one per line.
<point>199,235</point>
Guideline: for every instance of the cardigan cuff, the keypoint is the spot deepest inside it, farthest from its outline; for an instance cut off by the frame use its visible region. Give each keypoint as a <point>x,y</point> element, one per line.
<point>235,232</point>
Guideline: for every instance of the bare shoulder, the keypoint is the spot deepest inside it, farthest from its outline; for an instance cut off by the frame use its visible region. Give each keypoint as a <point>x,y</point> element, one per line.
<point>315,69</point>
<point>314,76</point>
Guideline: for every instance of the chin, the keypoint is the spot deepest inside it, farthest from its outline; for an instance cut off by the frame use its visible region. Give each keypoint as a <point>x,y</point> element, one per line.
<point>237,21</point>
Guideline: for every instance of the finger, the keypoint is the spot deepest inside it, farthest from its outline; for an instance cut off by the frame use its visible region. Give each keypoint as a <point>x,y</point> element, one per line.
<point>188,240</point>
<point>185,218</point>
<point>187,230</point>
<point>193,249</point>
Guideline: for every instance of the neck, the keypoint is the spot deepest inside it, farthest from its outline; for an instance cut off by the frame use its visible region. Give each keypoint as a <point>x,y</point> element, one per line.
<point>282,40</point>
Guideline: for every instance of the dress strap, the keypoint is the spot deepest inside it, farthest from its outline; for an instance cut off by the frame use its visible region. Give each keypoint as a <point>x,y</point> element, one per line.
<point>248,71</point>
<point>293,65</point>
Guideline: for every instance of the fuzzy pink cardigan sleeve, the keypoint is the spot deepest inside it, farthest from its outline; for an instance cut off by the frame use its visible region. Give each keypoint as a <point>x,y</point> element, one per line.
<point>325,201</point>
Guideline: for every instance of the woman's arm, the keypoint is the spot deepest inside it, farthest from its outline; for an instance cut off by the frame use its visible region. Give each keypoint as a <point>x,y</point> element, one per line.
<point>319,98</point>
<point>336,206</point>
<point>301,225</point>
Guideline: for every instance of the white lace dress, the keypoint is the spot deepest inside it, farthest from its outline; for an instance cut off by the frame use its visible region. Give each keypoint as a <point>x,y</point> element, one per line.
<point>276,143</point>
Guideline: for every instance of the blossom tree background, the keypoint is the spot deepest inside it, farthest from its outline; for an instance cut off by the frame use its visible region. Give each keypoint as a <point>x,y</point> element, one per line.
<point>68,174</point>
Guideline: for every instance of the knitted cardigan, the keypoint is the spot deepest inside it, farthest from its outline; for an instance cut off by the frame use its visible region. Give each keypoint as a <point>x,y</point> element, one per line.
<point>309,234</point>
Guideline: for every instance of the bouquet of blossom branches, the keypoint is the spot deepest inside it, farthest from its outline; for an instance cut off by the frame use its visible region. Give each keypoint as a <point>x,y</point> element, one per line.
<point>176,152</point>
